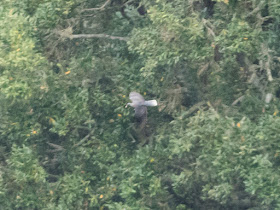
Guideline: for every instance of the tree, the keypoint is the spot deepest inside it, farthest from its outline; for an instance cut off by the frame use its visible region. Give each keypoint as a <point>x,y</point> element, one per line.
<point>67,68</point>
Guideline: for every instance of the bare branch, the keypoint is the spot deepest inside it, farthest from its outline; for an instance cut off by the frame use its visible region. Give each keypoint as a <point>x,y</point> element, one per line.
<point>99,8</point>
<point>80,36</point>
<point>238,100</point>
<point>257,9</point>
<point>84,139</point>
<point>68,33</point>
<point>58,147</point>
<point>193,109</point>
<point>267,64</point>
<point>209,27</point>
<point>268,70</point>
<point>203,69</point>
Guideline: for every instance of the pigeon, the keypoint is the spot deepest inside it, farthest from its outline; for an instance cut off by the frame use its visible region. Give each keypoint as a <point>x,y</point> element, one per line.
<point>140,107</point>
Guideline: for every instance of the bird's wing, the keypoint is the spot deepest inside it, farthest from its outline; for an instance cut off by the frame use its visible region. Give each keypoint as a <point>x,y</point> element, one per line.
<point>141,116</point>
<point>136,97</point>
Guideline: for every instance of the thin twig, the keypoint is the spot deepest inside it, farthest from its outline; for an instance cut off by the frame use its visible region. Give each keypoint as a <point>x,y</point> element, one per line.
<point>99,8</point>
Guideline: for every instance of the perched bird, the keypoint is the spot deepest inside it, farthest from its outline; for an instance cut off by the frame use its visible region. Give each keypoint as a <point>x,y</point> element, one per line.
<point>140,107</point>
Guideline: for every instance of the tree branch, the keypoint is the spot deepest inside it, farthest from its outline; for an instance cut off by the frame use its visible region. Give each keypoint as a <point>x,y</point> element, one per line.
<point>99,8</point>
<point>58,147</point>
<point>68,33</point>
<point>209,27</point>
<point>84,139</point>
<point>238,100</point>
<point>256,10</point>
<point>266,65</point>
<point>80,36</point>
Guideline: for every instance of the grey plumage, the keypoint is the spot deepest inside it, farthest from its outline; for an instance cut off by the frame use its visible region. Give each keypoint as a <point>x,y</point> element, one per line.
<point>140,107</point>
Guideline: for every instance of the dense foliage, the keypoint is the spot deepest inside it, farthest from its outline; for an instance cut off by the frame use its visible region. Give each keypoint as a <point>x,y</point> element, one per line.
<point>67,68</point>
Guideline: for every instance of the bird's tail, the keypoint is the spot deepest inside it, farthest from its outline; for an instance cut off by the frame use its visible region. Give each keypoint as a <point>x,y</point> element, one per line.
<point>150,103</point>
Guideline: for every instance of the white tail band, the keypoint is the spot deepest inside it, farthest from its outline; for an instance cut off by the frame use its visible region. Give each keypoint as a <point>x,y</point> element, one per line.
<point>151,103</point>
